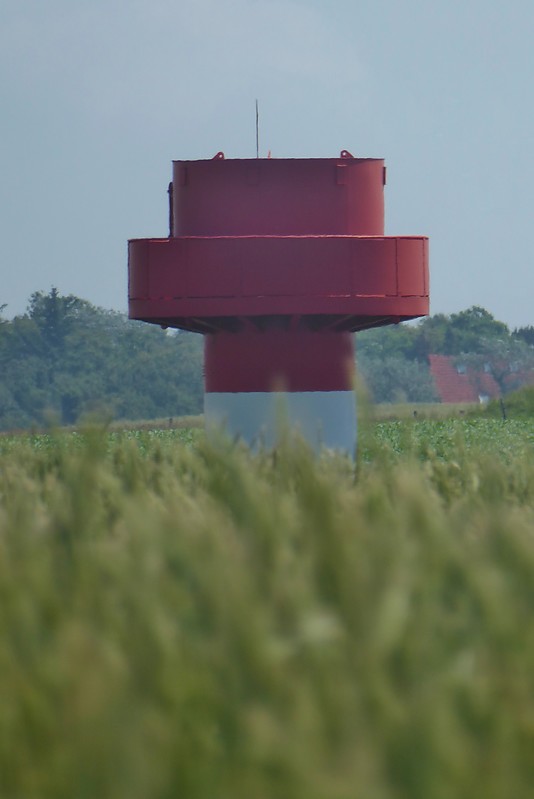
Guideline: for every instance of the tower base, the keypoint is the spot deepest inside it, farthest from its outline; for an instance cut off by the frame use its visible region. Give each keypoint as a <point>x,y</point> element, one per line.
<point>322,418</point>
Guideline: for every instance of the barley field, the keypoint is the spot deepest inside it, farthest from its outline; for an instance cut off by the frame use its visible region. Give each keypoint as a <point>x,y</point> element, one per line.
<point>186,619</point>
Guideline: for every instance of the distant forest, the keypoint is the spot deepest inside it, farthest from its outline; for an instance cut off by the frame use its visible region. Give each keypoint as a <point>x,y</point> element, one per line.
<point>65,359</point>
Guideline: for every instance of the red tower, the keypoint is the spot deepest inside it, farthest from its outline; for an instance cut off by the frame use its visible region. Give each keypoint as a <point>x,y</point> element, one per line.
<point>278,262</point>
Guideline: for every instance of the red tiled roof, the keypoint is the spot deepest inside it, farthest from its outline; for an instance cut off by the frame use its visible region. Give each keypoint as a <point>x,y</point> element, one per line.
<point>454,387</point>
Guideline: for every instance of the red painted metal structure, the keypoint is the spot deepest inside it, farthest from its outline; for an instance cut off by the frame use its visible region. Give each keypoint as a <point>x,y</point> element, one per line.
<point>277,262</point>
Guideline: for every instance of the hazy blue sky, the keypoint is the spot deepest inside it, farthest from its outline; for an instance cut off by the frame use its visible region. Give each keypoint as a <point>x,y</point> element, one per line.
<point>98,96</point>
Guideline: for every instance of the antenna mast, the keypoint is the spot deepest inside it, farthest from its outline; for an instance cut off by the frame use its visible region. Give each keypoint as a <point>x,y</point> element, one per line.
<point>257,131</point>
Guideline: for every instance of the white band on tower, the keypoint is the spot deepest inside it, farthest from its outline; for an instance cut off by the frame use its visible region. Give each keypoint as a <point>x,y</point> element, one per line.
<point>323,418</point>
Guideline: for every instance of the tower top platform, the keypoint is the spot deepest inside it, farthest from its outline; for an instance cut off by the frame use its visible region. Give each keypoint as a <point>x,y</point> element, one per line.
<point>296,243</point>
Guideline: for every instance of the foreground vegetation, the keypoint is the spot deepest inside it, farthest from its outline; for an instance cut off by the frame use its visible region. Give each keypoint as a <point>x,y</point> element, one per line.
<point>181,619</point>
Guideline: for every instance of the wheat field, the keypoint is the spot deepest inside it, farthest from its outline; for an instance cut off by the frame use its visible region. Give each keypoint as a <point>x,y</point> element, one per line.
<point>186,619</point>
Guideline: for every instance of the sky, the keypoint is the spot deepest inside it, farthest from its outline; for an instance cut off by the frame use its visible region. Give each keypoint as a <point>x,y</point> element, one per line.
<point>97,97</point>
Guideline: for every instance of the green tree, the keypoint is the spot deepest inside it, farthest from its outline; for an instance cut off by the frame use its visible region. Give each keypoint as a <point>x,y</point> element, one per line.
<point>67,357</point>
<point>390,341</point>
<point>53,315</point>
<point>397,379</point>
<point>470,330</point>
<point>510,362</point>
<point>465,331</point>
<point>430,336</point>
<point>389,359</point>
<point>525,334</point>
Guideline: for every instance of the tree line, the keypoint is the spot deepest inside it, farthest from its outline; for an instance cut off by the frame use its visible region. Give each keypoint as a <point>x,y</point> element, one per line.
<point>65,358</point>
<point>394,360</point>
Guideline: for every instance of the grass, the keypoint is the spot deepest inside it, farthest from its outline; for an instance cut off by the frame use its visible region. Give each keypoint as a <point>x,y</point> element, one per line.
<point>423,410</point>
<point>172,423</point>
<point>184,619</point>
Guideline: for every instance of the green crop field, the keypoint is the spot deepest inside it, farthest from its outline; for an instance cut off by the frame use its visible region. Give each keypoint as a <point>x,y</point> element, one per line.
<point>184,619</point>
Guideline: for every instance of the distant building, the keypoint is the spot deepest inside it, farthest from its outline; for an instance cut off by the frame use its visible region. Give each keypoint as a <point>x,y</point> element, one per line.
<point>457,382</point>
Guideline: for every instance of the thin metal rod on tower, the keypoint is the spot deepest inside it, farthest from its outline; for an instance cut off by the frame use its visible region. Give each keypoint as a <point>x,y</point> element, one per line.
<point>257,131</point>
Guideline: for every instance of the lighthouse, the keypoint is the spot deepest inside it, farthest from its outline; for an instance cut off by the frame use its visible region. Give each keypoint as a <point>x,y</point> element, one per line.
<point>278,262</point>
